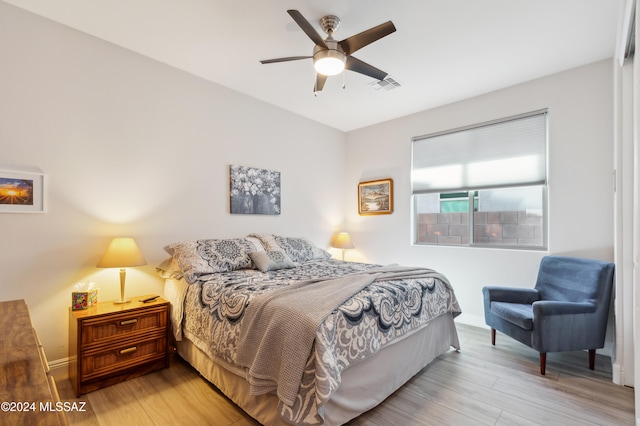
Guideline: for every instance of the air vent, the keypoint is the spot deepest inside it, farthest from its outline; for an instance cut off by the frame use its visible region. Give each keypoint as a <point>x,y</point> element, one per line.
<point>386,84</point>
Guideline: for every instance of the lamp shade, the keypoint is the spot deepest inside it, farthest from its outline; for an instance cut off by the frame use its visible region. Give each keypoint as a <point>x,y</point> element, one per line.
<point>342,241</point>
<point>122,253</point>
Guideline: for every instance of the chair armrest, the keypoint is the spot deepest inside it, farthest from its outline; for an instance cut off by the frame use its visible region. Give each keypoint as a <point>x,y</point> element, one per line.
<point>567,326</point>
<point>552,307</point>
<point>510,294</point>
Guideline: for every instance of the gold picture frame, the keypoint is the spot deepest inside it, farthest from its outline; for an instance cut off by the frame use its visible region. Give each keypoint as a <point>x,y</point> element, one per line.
<point>375,197</point>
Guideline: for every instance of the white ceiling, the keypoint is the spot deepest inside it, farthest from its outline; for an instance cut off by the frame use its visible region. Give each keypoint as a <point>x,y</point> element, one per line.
<point>442,51</point>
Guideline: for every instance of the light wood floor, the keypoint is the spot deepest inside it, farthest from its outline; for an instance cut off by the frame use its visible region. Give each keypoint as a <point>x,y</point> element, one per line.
<point>480,385</point>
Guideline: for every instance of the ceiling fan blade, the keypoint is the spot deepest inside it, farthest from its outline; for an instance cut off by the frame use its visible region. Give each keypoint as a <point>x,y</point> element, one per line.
<point>358,41</point>
<point>357,65</point>
<point>289,58</point>
<point>320,80</point>
<point>306,27</point>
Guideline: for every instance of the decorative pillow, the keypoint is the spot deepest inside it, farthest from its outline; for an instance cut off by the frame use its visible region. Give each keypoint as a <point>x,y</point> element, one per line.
<point>300,249</point>
<point>257,244</point>
<point>169,268</point>
<point>267,240</point>
<point>200,257</point>
<point>271,260</point>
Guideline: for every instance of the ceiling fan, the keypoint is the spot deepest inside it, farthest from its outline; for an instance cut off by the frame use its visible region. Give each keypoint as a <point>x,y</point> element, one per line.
<point>331,57</point>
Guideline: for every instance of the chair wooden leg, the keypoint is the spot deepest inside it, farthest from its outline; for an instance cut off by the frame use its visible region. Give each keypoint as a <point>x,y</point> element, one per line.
<point>543,362</point>
<point>493,336</point>
<point>592,359</point>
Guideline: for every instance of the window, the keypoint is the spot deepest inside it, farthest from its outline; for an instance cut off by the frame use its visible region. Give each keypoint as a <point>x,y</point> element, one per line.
<point>483,185</point>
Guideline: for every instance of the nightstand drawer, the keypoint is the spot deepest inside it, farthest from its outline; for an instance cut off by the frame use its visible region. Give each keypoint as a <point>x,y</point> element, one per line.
<point>106,329</point>
<point>123,355</point>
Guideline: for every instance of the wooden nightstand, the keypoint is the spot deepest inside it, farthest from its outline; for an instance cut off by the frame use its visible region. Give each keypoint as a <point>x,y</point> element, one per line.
<point>110,343</point>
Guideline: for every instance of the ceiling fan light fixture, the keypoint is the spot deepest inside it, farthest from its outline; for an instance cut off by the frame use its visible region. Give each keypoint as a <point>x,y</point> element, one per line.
<point>329,62</point>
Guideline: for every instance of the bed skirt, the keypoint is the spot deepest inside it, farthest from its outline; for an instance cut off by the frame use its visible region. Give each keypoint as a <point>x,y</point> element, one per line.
<point>364,385</point>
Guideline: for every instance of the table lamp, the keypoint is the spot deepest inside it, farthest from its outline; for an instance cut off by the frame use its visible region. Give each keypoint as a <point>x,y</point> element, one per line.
<point>342,241</point>
<point>122,253</point>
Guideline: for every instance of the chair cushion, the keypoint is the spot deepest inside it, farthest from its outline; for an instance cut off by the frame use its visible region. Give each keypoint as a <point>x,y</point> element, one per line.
<point>516,313</point>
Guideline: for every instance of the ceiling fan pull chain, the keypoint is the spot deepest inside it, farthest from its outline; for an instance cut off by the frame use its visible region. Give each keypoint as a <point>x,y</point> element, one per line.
<point>344,80</point>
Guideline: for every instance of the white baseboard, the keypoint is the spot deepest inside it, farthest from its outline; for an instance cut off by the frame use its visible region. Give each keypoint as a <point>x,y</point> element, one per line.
<point>59,369</point>
<point>616,373</point>
<point>474,320</point>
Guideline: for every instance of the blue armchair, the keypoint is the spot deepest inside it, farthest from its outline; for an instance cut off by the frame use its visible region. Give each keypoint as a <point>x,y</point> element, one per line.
<point>566,311</point>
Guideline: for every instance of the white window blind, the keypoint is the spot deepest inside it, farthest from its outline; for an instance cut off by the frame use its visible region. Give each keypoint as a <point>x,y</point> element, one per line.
<point>509,152</point>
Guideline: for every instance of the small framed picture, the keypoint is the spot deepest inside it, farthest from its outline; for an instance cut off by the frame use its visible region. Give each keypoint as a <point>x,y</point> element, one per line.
<point>22,192</point>
<point>375,197</point>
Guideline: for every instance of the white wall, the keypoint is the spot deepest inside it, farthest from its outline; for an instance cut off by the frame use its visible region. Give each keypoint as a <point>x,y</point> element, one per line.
<point>580,182</point>
<point>132,147</point>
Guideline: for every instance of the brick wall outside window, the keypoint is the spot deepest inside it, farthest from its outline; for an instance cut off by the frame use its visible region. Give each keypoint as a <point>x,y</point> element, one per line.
<point>491,228</point>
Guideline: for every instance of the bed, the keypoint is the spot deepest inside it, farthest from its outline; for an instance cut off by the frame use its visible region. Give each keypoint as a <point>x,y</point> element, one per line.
<point>293,336</point>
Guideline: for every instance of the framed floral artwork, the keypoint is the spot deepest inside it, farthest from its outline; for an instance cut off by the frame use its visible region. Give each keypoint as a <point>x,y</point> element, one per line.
<point>375,197</point>
<point>22,192</point>
<point>254,191</point>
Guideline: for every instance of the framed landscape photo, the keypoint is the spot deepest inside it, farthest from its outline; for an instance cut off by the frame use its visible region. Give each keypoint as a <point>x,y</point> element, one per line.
<point>375,197</point>
<point>22,192</point>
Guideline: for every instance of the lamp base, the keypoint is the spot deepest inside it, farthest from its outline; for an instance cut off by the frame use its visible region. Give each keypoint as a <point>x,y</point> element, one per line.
<point>123,274</point>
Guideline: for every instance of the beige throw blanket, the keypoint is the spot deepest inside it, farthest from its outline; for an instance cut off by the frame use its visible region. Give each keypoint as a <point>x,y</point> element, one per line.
<point>278,329</point>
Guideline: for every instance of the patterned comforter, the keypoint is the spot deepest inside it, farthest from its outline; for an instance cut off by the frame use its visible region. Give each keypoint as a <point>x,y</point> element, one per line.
<point>369,320</point>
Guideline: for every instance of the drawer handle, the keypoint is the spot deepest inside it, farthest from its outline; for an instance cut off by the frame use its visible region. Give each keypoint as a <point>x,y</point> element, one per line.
<point>128,350</point>
<point>129,322</point>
